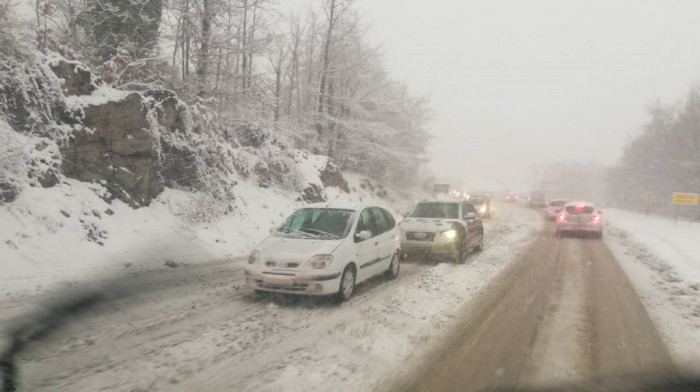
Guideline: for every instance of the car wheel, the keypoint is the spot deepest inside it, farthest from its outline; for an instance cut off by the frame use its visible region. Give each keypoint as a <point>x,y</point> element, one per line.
<point>460,252</point>
<point>480,247</point>
<point>347,284</point>
<point>394,267</point>
<point>261,294</point>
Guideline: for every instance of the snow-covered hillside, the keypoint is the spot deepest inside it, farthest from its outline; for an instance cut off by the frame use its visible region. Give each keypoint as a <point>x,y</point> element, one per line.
<point>68,231</point>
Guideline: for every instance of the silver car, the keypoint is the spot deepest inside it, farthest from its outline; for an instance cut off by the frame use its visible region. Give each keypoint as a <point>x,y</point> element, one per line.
<point>554,207</point>
<point>580,217</point>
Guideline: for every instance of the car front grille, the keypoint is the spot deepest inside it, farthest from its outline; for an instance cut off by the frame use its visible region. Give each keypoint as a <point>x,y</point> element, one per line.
<point>419,236</point>
<point>281,264</point>
<point>294,287</point>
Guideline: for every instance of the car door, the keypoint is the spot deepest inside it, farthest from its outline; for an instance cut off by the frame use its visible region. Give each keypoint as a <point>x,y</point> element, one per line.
<point>474,228</point>
<point>385,239</point>
<point>366,250</point>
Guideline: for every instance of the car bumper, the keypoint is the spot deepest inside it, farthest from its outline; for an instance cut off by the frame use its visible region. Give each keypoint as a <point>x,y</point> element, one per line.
<point>306,283</point>
<point>580,227</point>
<point>423,248</point>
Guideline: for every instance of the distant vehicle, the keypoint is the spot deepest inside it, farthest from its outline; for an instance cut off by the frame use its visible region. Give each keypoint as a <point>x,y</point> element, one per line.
<point>580,217</point>
<point>482,204</point>
<point>554,207</point>
<point>537,199</point>
<point>322,250</point>
<point>512,197</point>
<point>442,228</point>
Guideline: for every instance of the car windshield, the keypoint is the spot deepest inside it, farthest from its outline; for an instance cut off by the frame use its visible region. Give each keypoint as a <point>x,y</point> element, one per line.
<point>323,223</point>
<point>436,210</point>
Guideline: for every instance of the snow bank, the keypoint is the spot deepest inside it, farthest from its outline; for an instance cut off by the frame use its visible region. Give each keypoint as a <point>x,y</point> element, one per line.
<point>68,232</point>
<point>663,262</point>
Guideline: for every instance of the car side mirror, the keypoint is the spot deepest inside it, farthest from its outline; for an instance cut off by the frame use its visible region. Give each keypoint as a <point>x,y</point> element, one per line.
<point>470,215</point>
<point>363,235</point>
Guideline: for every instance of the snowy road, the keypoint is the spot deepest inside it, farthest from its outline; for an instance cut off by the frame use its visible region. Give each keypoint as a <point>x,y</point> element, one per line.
<point>564,311</point>
<point>199,328</point>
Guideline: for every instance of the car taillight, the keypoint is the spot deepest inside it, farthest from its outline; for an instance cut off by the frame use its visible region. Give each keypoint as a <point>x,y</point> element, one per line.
<point>595,218</point>
<point>563,217</point>
<point>529,198</point>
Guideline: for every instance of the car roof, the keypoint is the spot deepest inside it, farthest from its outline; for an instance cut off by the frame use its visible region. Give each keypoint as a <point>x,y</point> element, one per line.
<point>580,202</point>
<point>342,205</point>
<point>440,200</point>
<point>558,200</point>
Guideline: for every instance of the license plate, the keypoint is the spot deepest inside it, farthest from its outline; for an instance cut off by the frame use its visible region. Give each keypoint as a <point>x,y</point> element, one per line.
<point>419,235</point>
<point>278,281</point>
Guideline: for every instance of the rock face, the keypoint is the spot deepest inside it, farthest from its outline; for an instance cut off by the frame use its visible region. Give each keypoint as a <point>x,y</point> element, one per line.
<point>332,176</point>
<point>77,78</point>
<point>313,194</point>
<point>116,148</point>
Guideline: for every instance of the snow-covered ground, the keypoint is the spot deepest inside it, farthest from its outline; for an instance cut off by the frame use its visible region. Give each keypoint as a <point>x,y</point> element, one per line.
<point>202,329</point>
<point>662,260</point>
<point>67,232</point>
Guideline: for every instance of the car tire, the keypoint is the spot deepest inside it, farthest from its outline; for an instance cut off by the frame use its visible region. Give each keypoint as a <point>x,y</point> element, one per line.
<point>480,247</point>
<point>394,267</point>
<point>460,252</point>
<point>261,294</point>
<point>347,284</point>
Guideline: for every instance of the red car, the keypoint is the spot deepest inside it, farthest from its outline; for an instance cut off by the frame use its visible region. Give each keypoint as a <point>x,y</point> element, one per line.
<point>512,197</point>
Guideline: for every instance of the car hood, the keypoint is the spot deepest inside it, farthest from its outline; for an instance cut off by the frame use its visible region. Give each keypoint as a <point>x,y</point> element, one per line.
<point>427,224</point>
<point>295,249</point>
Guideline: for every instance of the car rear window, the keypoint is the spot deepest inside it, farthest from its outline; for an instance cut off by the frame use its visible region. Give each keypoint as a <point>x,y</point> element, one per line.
<point>557,203</point>
<point>436,210</point>
<point>580,209</point>
<point>476,200</point>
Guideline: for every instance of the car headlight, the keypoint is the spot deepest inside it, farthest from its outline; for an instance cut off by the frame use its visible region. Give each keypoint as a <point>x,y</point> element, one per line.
<point>482,209</point>
<point>254,257</point>
<point>450,234</point>
<point>320,261</point>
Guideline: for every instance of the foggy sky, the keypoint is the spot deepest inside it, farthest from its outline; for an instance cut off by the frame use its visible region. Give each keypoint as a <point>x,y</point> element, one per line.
<point>514,83</point>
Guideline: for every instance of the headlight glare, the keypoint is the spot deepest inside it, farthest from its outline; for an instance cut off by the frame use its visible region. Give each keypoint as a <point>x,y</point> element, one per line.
<point>320,261</point>
<point>452,233</point>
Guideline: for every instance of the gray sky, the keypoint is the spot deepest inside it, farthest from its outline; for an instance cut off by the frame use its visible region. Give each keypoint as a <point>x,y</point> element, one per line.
<point>517,82</point>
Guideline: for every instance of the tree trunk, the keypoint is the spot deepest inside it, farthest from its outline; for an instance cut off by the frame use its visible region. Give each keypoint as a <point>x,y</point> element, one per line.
<point>326,55</point>
<point>203,61</point>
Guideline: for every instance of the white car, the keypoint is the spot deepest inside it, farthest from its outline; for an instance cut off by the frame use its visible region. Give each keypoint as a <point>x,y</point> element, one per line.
<point>322,250</point>
<point>580,217</point>
<point>442,228</point>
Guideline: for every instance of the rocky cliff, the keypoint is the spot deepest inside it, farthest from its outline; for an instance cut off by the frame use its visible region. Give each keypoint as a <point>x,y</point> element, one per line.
<point>136,142</point>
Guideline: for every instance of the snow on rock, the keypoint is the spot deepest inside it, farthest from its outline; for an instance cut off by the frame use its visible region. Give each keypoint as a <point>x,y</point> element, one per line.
<point>663,263</point>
